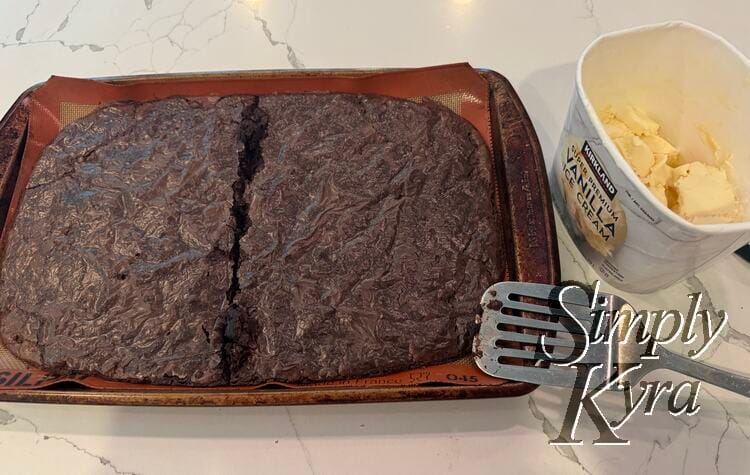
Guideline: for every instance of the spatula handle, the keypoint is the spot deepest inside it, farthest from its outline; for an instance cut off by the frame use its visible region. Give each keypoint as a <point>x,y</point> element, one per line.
<point>717,377</point>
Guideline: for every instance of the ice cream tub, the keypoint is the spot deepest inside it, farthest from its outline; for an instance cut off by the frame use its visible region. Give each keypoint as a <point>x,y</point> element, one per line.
<point>646,224</point>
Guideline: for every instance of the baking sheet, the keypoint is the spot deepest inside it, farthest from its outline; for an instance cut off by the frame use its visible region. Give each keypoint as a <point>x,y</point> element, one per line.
<point>526,223</point>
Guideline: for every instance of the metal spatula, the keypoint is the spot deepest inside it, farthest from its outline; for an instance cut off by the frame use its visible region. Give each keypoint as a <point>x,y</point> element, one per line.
<point>512,326</point>
<point>515,317</point>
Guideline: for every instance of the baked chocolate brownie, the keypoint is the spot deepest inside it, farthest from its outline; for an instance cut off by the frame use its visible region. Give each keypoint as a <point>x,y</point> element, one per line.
<point>370,239</point>
<point>12,131</point>
<point>244,240</point>
<point>119,261</point>
<point>11,134</point>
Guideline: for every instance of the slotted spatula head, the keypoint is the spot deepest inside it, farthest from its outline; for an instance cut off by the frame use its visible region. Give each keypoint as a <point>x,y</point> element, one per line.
<point>515,315</point>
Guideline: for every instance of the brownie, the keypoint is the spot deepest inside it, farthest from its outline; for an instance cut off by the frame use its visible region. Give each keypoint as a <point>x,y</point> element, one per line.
<point>370,239</point>
<point>11,133</point>
<point>246,240</point>
<point>119,263</point>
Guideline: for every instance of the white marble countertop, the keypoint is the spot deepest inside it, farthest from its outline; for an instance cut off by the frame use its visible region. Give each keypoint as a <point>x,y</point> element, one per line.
<point>535,44</point>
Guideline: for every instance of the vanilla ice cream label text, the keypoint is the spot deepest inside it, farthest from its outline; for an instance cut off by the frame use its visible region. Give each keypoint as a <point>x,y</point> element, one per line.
<point>590,196</point>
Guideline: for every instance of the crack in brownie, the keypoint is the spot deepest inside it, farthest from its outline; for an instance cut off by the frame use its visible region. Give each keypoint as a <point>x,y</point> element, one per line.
<point>244,240</point>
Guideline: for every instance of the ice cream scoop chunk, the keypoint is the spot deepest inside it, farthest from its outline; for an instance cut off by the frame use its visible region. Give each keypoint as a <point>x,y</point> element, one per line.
<point>636,120</point>
<point>659,179</point>
<point>617,129</point>
<point>662,149</point>
<point>705,194</point>
<point>637,153</point>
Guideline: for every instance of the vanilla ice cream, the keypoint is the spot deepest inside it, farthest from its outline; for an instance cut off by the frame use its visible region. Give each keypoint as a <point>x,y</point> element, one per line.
<point>704,194</point>
<point>699,192</point>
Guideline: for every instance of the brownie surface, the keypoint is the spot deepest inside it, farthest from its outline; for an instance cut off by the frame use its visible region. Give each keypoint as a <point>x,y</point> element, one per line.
<point>245,240</point>
<point>370,239</point>
<point>10,135</point>
<point>119,260</point>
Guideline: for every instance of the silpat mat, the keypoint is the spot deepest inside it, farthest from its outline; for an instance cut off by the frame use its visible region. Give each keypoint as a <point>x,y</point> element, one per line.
<point>61,101</point>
